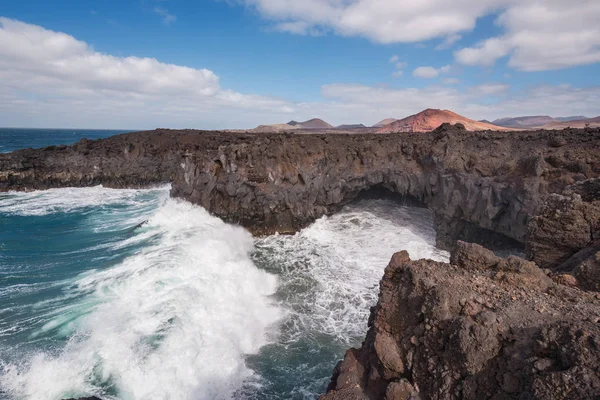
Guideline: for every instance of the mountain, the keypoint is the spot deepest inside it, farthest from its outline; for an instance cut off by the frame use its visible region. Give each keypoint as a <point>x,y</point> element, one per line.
<point>485,121</point>
<point>573,118</point>
<point>430,119</point>
<point>350,126</point>
<point>526,122</point>
<point>274,128</point>
<point>384,122</point>
<point>314,123</point>
<point>580,123</point>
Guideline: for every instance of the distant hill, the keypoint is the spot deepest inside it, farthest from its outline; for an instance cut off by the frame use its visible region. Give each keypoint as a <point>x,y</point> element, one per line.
<point>580,123</point>
<point>274,128</point>
<point>430,119</point>
<point>314,123</point>
<point>573,118</point>
<point>535,121</point>
<point>526,122</point>
<point>384,122</point>
<point>351,126</point>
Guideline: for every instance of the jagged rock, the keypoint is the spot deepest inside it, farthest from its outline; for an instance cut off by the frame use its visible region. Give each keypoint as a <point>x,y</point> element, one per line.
<point>481,327</point>
<point>588,272</point>
<point>477,183</point>
<point>566,224</point>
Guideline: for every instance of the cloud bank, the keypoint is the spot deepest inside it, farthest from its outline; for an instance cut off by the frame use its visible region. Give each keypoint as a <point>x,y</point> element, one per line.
<point>537,35</point>
<point>51,79</point>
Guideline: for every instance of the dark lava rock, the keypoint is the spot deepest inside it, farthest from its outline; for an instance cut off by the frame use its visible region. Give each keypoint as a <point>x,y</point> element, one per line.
<point>481,327</point>
<point>480,185</point>
<point>566,224</point>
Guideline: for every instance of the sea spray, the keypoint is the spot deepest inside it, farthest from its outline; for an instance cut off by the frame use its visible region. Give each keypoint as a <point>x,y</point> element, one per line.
<point>329,278</point>
<point>174,320</point>
<point>129,295</point>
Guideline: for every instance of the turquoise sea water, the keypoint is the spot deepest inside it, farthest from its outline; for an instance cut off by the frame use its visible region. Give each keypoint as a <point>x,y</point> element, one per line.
<point>12,139</point>
<point>127,294</point>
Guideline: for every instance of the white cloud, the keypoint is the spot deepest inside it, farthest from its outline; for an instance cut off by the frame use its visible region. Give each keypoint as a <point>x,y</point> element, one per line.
<point>384,21</point>
<point>488,89</point>
<point>430,72</point>
<point>166,16</point>
<point>450,81</point>
<point>540,36</point>
<point>448,41</point>
<point>50,79</point>
<point>56,74</point>
<point>398,65</point>
<point>367,103</point>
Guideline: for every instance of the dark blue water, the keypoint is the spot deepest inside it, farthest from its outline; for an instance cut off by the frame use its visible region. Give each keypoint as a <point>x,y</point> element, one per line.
<point>127,294</point>
<point>12,139</point>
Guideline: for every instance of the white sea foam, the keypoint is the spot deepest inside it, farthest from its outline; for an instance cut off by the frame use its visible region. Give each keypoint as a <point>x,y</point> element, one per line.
<point>330,271</point>
<point>44,202</point>
<point>174,321</point>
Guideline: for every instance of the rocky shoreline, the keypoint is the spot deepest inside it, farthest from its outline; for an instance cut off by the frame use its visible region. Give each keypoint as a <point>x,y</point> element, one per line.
<point>483,327</point>
<point>478,327</point>
<point>481,186</point>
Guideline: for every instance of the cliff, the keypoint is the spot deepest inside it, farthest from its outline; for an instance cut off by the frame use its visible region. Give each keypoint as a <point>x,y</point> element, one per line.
<point>480,327</point>
<point>480,185</point>
<point>471,180</point>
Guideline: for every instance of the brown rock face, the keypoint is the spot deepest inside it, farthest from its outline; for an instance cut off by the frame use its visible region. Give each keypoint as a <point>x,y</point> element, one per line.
<point>566,224</point>
<point>490,180</point>
<point>481,327</point>
<point>477,183</point>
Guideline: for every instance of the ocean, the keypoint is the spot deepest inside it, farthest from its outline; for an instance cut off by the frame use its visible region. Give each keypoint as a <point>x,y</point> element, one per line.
<point>12,139</point>
<point>128,294</point>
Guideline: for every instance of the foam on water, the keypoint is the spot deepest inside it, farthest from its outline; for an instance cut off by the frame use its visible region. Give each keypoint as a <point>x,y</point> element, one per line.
<point>329,278</point>
<point>185,306</point>
<point>174,321</point>
<point>44,202</point>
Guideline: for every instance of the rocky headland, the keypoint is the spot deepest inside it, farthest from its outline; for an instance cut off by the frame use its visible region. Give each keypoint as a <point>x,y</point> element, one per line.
<point>478,327</point>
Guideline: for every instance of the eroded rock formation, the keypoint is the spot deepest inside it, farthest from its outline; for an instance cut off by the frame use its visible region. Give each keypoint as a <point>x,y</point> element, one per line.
<point>281,182</point>
<point>567,228</point>
<point>491,180</point>
<point>480,327</point>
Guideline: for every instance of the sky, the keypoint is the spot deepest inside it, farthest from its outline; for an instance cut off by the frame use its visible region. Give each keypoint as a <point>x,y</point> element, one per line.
<point>226,64</point>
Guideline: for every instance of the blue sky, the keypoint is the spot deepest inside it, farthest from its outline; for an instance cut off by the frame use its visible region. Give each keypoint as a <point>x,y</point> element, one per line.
<point>238,63</point>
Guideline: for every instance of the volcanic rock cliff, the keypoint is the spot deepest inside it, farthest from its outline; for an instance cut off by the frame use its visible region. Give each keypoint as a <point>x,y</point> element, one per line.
<point>480,327</point>
<point>483,327</point>
<point>479,184</point>
<point>490,180</point>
